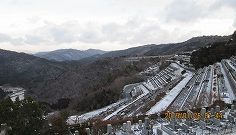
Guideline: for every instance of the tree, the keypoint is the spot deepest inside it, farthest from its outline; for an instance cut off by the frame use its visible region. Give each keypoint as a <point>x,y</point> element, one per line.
<point>234,37</point>
<point>58,122</point>
<point>24,117</point>
<point>183,72</point>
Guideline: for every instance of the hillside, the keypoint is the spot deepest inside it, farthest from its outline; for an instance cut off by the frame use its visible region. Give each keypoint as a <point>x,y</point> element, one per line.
<point>61,83</point>
<point>214,52</point>
<point>33,73</point>
<point>165,49</point>
<point>69,54</point>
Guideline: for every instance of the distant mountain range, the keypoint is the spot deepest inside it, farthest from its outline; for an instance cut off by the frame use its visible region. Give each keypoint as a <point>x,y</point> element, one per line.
<point>69,54</point>
<point>145,50</point>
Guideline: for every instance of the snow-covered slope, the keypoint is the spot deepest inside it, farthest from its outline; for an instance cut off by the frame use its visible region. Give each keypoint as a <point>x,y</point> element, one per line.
<point>166,101</point>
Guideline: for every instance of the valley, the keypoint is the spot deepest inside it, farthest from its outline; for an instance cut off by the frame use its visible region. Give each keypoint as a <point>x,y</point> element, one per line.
<point>118,89</point>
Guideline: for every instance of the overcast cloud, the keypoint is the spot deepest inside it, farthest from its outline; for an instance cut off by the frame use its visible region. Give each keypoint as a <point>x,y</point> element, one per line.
<point>43,25</point>
<point>234,23</point>
<point>228,3</point>
<point>184,10</point>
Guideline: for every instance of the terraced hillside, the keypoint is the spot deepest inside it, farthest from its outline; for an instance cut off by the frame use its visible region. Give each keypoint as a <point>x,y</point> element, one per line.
<point>173,90</point>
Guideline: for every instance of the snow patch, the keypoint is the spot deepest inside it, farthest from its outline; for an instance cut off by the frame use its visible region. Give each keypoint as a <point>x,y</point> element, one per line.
<point>166,101</point>
<point>227,84</point>
<point>81,118</point>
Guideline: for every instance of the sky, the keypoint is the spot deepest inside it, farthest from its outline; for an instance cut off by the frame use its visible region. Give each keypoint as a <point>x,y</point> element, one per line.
<point>44,25</point>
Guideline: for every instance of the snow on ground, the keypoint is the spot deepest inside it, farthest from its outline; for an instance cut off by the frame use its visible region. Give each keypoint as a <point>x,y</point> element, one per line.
<point>178,67</point>
<point>137,131</point>
<point>19,95</point>
<point>231,65</point>
<point>154,68</point>
<point>149,85</point>
<point>129,86</point>
<point>155,127</point>
<point>145,91</point>
<point>226,98</point>
<point>231,93</point>
<point>81,118</point>
<point>183,102</point>
<point>122,107</point>
<point>169,98</point>
<point>86,116</point>
<point>175,65</point>
<point>202,85</point>
<point>15,92</point>
<point>166,101</point>
<point>209,85</point>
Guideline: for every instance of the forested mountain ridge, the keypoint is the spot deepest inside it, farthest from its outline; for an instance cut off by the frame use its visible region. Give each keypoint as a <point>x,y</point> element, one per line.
<point>214,52</point>
<point>165,49</point>
<point>50,81</point>
<point>69,54</point>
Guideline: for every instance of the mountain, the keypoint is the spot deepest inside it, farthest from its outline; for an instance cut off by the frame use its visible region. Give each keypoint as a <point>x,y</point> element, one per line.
<point>145,50</point>
<point>69,54</point>
<point>165,49</point>
<point>30,72</point>
<point>82,86</point>
<point>94,83</point>
<point>214,53</point>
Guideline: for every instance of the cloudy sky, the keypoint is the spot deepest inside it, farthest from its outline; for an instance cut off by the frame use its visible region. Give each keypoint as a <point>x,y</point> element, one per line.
<point>44,25</point>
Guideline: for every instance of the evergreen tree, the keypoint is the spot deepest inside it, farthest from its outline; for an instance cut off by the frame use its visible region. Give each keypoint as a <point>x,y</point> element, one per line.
<point>23,117</point>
